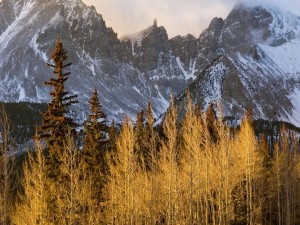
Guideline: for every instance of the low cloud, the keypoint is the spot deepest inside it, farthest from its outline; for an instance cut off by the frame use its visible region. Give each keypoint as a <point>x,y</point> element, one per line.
<point>179,17</point>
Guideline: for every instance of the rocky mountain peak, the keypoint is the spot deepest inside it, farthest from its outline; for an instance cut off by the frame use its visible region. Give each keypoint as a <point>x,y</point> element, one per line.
<point>263,23</point>
<point>243,59</point>
<point>126,73</point>
<point>185,49</point>
<point>148,46</point>
<point>216,25</point>
<point>235,60</point>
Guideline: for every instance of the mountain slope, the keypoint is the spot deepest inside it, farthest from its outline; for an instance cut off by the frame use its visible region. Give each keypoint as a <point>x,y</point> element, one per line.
<point>125,79</point>
<point>249,59</point>
<point>255,53</point>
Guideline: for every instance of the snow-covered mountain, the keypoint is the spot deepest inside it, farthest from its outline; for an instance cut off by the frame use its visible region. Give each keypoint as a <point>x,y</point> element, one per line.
<point>249,59</point>
<point>126,73</point>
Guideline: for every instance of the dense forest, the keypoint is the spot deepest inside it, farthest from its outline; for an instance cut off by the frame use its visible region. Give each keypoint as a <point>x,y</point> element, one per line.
<point>197,170</point>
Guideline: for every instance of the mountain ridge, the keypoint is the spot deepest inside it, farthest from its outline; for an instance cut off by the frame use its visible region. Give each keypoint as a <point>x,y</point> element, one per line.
<point>262,46</point>
<point>148,65</point>
<point>126,82</point>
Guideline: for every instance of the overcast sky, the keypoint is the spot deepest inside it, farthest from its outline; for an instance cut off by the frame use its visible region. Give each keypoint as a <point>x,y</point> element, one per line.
<point>179,17</point>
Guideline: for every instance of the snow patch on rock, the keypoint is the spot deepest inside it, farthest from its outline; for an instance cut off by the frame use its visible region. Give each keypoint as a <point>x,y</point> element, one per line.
<point>285,56</point>
<point>22,94</point>
<point>295,100</point>
<point>191,71</point>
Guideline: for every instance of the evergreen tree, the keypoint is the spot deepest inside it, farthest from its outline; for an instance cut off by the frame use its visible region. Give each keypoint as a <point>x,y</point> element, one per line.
<point>139,146</point>
<point>56,123</point>
<point>112,136</point>
<point>95,130</point>
<point>150,140</point>
<point>211,120</point>
<point>94,145</point>
<point>56,127</point>
<point>150,119</point>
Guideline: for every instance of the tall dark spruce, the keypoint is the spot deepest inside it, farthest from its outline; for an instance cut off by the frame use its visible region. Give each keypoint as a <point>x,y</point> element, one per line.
<point>95,131</point>
<point>94,145</point>
<point>56,124</point>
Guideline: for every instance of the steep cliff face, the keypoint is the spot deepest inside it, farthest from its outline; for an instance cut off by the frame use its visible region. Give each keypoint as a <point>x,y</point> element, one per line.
<point>152,54</point>
<point>127,73</point>
<point>250,59</point>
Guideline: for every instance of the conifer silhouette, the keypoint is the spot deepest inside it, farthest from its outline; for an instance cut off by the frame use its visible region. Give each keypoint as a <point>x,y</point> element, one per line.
<point>56,123</point>
<point>95,130</point>
<point>94,146</point>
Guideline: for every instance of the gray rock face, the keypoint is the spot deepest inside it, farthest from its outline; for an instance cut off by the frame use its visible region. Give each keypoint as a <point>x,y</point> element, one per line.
<point>127,74</point>
<point>185,48</point>
<point>250,59</point>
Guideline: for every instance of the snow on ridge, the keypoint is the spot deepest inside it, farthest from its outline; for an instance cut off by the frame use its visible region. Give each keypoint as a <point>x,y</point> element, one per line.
<point>285,25</point>
<point>191,71</point>
<point>34,45</point>
<point>285,56</point>
<point>16,26</point>
<point>137,38</point>
<point>163,103</point>
<point>294,117</point>
<point>214,90</point>
<point>40,95</point>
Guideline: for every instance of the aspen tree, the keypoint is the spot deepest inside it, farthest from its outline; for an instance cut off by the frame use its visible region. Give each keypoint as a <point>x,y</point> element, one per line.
<point>191,148</point>
<point>6,169</point>
<point>251,162</point>
<point>121,208</point>
<point>68,198</point>
<point>31,207</point>
<point>297,188</point>
<point>168,164</point>
<point>225,172</point>
<point>151,161</point>
<point>266,183</point>
<point>201,168</point>
<point>296,184</point>
<point>285,163</point>
<point>287,175</point>
<point>208,169</point>
<point>277,170</point>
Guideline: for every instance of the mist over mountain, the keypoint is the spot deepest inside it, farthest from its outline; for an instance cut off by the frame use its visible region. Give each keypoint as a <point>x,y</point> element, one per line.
<point>249,59</point>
